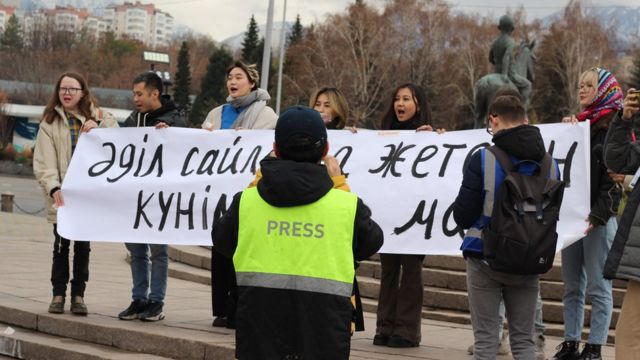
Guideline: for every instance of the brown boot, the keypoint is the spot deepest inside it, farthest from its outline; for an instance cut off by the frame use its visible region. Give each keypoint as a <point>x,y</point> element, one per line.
<point>57,305</point>
<point>78,307</point>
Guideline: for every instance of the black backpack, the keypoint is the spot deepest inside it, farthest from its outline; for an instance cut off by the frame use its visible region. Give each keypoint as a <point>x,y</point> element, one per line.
<point>521,236</point>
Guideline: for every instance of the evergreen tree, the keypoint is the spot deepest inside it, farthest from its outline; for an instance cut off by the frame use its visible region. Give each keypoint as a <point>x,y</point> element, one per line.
<point>634,80</point>
<point>258,55</point>
<point>12,38</point>
<point>213,90</point>
<point>251,52</point>
<point>296,32</point>
<point>183,78</point>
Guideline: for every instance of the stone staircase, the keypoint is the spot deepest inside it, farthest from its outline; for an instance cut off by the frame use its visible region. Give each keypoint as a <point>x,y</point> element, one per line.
<point>445,295</point>
<point>26,332</point>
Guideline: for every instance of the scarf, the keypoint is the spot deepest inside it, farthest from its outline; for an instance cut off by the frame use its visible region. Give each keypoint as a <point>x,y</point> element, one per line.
<point>608,98</point>
<point>403,125</point>
<point>249,107</point>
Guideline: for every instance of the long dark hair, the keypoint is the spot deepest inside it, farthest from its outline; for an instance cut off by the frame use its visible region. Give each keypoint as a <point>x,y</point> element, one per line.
<point>84,105</point>
<point>423,112</point>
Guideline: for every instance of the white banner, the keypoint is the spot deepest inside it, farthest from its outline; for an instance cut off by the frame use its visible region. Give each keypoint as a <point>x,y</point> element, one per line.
<point>167,186</point>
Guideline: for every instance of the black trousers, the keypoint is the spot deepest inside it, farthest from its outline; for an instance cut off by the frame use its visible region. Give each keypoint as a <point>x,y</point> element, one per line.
<point>60,267</point>
<point>224,290</point>
<point>401,293</point>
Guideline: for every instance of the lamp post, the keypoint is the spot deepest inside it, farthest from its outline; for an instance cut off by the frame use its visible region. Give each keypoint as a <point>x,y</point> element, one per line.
<point>281,66</point>
<point>266,53</point>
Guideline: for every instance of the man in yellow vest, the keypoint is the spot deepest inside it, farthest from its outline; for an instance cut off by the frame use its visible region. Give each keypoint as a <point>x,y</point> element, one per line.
<point>294,240</point>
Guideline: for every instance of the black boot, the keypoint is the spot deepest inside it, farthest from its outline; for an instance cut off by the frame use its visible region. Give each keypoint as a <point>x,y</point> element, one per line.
<point>567,350</point>
<point>591,352</point>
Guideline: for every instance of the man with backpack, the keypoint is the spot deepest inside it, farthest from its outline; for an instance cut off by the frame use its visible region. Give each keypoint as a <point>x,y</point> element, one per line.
<point>509,201</point>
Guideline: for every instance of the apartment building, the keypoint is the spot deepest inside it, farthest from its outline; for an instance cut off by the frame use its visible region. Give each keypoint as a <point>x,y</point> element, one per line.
<point>143,22</point>
<point>5,14</point>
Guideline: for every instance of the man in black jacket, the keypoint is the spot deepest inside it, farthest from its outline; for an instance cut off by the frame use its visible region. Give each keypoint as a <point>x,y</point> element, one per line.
<point>293,240</point>
<point>149,291</point>
<point>472,210</point>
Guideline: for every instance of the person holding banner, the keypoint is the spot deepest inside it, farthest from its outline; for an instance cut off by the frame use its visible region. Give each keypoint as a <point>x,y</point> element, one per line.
<point>149,273</point>
<point>294,289</point>
<point>399,312</point>
<point>246,108</point>
<point>600,98</point>
<point>332,106</point>
<point>621,154</point>
<point>334,109</point>
<point>70,111</point>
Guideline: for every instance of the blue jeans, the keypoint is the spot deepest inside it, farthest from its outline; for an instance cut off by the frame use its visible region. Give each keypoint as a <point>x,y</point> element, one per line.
<point>142,271</point>
<point>582,265</point>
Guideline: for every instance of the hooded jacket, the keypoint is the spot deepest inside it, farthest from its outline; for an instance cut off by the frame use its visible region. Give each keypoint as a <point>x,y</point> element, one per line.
<point>467,208</point>
<point>276,323</point>
<point>623,156</point>
<point>167,113</point>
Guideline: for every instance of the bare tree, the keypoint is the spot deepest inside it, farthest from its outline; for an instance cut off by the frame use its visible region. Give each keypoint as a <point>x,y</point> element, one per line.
<point>574,43</point>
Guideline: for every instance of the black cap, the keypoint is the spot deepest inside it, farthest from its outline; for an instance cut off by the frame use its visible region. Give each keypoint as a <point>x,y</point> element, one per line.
<point>300,120</point>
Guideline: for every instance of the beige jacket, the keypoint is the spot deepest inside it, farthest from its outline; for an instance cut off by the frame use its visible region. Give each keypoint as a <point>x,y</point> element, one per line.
<point>266,120</point>
<point>52,153</point>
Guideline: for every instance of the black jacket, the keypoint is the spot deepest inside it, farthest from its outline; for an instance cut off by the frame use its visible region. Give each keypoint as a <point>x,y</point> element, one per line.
<point>167,114</point>
<point>276,323</point>
<point>623,156</point>
<point>468,205</point>
<point>605,198</point>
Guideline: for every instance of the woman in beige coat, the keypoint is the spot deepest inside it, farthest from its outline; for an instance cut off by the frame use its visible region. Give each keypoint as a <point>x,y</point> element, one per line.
<point>70,112</point>
<point>246,106</point>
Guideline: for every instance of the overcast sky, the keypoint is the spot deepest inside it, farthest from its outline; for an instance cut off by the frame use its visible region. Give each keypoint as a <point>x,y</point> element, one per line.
<point>224,18</point>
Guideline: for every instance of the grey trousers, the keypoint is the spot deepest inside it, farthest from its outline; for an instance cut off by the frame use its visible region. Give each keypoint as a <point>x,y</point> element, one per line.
<point>486,289</point>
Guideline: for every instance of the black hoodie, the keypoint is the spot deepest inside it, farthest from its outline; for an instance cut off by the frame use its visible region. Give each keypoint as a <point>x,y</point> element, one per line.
<point>281,323</point>
<point>524,142</point>
<point>167,113</point>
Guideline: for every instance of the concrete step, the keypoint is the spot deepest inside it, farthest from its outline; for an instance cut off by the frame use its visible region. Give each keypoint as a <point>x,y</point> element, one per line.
<point>459,317</point>
<point>457,280</point>
<point>28,344</point>
<point>444,279</point>
<point>434,265</point>
<point>196,256</point>
<point>457,300</point>
<point>133,336</point>
<point>440,300</point>
<point>189,273</point>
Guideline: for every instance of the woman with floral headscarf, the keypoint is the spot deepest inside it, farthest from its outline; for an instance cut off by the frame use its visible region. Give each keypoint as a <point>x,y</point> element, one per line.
<point>600,98</point>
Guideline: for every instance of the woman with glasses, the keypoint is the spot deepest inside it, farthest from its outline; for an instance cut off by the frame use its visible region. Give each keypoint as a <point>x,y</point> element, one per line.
<point>70,112</point>
<point>400,301</point>
<point>600,98</point>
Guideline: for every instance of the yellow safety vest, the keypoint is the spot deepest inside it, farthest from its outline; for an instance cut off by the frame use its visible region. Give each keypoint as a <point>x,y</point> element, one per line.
<point>306,248</point>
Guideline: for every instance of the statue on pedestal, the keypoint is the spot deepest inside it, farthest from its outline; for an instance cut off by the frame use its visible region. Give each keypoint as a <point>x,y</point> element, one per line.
<point>514,68</point>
